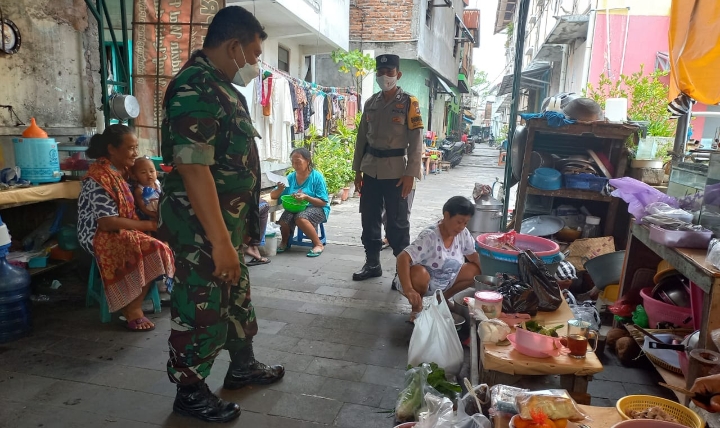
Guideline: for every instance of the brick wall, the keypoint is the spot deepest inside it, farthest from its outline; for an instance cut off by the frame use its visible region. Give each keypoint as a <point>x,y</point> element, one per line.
<point>381,20</point>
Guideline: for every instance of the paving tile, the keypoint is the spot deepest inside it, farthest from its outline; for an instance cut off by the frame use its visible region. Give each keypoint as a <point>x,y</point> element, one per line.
<point>319,348</point>
<point>357,416</point>
<point>380,296</point>
<point>335,291</point>
<point>64,416</point>
<point>79,348</point>
<point>256,420</point>
<point>290,317</point>
<point>602,402</point>
<point>275,303</point>
<point>37,341</point>
<point>270,327</point>
<point>306,407</point>
<point>606,389</point>
<point>299,383</point>
<point>321,309</point>
<point>255,399</point>
<point>338,369</point>
<point>389,398</point>
<point>276,341</point>
<point>384,376</point>
<point>353,392</point>
<point>50,365</point>
<point>20,387</point>
<point>293,362</point>
<point>134,379</point>
<point>329,335</point>
<point>628,375</point>
<point>395,358</point>
<point>146,358</point>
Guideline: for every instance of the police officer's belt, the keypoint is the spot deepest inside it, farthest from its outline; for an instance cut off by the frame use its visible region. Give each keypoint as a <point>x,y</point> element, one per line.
<point>390,153</point>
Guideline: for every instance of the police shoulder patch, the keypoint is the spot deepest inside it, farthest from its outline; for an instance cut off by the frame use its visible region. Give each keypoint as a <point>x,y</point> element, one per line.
<point>414,117</point>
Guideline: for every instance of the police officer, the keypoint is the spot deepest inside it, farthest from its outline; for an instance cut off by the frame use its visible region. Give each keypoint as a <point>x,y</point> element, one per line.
<point>387,160</point>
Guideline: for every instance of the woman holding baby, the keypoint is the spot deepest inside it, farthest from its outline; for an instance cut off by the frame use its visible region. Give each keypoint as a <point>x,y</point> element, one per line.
<point>128,258</point>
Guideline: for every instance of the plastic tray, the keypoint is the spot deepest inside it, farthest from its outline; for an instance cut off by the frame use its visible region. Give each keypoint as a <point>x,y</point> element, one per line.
<point>585,182</point>
<point>680,238</point>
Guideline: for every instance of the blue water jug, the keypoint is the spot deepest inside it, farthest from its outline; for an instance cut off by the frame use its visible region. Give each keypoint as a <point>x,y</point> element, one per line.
<point>15,304</point>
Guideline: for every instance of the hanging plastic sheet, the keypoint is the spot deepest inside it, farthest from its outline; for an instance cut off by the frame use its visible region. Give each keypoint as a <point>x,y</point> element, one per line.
<point>694,50</point>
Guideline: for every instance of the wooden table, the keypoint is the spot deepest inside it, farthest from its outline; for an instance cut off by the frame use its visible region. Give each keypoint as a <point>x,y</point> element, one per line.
<point>644,253</point>
<point>35,194</point>
<point>602,417</point>
<point>497,362</point>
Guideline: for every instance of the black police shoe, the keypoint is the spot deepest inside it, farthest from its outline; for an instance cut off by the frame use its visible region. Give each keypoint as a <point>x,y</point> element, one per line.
<point>199,402</point>
<point>246,371</point>
<point>367,272</point>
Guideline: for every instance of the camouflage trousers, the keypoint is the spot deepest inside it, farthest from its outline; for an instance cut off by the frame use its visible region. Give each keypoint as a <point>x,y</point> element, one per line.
<point>206,316</point>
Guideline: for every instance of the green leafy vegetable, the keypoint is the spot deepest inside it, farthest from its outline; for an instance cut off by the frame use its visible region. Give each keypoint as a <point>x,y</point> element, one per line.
<point>537,328</point>
<point>411,398</point>
<point>437,380</point>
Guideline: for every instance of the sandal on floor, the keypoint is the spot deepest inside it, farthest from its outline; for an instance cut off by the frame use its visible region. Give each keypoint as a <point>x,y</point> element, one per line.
<point>261,261</point>
<point>281,249</point>
<point>134,325</point>
<point>312,253</point>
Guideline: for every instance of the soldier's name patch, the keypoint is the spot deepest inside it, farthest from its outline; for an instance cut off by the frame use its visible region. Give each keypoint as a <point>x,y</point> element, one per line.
<point>399,111</point>
<point>416,119</point>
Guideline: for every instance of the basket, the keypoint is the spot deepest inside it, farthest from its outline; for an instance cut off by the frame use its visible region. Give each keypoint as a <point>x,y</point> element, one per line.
<point>658,311</point>
<point>683,415</point>
<point>585,182</point>
<point>292,205</point>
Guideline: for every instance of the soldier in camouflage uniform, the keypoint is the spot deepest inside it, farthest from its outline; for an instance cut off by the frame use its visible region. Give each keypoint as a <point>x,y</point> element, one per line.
<point>210,206</point>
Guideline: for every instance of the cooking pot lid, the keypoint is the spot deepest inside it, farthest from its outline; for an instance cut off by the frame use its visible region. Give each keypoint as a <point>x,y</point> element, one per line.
<point>691,340</point>
<point>486,202</point>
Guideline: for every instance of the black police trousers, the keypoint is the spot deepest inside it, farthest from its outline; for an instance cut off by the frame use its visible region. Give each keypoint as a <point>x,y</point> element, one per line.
<point>376,194</point>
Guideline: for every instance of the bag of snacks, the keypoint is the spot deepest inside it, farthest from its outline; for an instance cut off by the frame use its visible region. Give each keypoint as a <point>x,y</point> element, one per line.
<point>556,404</point>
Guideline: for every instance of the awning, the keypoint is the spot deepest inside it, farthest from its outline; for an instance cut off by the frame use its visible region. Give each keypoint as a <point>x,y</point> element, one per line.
<point>567,29</point>
<point>532,78</point>
<point>467,119</point>
<point>505,14</point>
<point>694,50</point>
<point>445,87</point>
<point>462,85</point>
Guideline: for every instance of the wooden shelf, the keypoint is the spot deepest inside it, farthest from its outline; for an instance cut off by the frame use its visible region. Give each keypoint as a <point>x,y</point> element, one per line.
<point>44,192</point>
<point>571,194</point>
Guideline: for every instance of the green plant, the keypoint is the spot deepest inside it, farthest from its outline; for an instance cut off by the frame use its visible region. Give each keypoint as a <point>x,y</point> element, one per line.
<point>503,134</point>
<point>355,63</point>
<point>647,98</point>
<point>333,155</point>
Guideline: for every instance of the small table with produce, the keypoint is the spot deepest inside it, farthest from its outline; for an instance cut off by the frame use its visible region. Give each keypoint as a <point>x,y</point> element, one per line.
<point>498,362</point>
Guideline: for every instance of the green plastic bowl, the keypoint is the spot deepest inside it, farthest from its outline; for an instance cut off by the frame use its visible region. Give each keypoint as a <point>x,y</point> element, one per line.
<point>67,238</point>
<point>157,160</point>
<point>292,205</point>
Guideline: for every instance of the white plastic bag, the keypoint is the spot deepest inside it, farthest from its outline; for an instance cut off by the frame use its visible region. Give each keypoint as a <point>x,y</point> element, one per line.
<point>434,339</point>
<point>440,414</point>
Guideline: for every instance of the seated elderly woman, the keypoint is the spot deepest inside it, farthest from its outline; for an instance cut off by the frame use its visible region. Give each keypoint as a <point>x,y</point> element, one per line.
<point>129,260</point>
<point>443,257</point>
<point>306,184</point>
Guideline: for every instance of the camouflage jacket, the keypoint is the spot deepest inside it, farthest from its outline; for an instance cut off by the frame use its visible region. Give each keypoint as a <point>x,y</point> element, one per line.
<point>205,122</point>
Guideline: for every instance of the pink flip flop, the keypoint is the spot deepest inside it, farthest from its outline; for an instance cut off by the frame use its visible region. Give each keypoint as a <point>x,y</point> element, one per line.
<point>134,325</point>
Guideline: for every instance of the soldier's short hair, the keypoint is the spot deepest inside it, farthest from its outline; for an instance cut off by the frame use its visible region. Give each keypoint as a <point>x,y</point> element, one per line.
<point>233,22</point>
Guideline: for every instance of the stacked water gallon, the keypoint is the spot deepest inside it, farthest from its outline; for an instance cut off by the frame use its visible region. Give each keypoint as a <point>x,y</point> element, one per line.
<point>14,294</point>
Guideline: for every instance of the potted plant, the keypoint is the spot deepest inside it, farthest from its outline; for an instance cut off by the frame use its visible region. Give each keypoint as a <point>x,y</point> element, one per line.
<point>647,102</point>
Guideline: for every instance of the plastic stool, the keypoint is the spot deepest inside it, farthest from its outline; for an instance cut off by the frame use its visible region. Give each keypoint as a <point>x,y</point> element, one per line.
<point>96,293</point>
<point>303,241</point>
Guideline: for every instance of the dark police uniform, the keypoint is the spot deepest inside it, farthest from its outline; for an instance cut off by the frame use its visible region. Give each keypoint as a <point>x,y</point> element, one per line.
<point>389,146</point>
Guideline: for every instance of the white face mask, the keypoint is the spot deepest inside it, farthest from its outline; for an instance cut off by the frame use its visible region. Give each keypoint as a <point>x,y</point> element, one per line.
<point>386,83</point>
<point>246,73</point>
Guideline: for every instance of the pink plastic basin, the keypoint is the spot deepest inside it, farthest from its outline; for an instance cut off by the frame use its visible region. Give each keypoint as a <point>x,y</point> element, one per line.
<point>537,342</point>
<point>540,246</point>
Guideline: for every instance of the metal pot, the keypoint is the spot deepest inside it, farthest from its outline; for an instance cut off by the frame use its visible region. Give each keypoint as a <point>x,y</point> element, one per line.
<point>124,107</point>
<point>487,217</point>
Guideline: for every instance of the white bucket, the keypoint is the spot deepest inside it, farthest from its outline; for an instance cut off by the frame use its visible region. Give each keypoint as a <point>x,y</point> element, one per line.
<point>616,109</point>
<point>271,244</point>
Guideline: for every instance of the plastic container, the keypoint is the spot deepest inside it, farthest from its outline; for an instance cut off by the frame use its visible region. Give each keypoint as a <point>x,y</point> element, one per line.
<point>490,302</point>
<point>292,205</point>
<point>537,342</point>
<point>585,181</point>
<point>67,238</point>
<point>38,262</point>
<point>591,229</point>
<point>546,179</point>
<point>680,238</point>
<point>38,159</point>
<point>15,301</point>
<point>271,244</point>
<point>495,260</point>
<point>157,161</point>
<point>658,311</point>
<point>616,109</point>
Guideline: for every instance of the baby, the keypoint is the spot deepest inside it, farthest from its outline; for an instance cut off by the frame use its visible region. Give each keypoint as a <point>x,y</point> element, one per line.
<point>147,188</point>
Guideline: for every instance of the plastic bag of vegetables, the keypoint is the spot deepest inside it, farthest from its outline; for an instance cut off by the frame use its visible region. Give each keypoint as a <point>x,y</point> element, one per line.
<point>440,414</point>
<point>412,397</point>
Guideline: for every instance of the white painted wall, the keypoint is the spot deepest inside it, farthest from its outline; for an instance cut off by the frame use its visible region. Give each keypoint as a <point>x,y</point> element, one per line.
<point>297,54</point>
<point>435,44</point>
<point>575,67</point>
<point>333,21</point>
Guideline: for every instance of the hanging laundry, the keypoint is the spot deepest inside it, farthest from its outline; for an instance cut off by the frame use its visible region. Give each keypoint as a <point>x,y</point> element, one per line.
<point>300,113</point>
<point>351,110</point>
<point>267,96</point>
<point>279,142</point>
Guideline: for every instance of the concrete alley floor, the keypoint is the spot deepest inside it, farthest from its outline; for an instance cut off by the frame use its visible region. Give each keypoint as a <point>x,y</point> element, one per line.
<point>343,343</point>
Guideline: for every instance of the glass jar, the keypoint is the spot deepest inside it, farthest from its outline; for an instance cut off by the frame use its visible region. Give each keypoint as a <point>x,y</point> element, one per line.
<point>591,229</point>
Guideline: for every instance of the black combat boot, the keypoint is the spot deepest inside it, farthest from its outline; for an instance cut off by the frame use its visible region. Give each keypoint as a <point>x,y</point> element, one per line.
<point>199,402</point>
<point>371,269</point>
<point>246,370</point>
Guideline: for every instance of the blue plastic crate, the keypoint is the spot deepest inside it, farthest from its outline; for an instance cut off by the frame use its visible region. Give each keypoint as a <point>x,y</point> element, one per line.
<point>585,181</point>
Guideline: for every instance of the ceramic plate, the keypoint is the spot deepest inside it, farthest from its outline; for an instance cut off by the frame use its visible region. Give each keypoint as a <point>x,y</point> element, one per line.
<point>542,225</point>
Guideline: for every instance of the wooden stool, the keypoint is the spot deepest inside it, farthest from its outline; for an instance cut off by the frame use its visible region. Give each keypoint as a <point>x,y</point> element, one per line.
<point>445,166</point>
<point>501,158</point>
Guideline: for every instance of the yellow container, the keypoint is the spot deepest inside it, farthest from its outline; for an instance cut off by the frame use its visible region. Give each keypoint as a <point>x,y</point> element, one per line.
<point>611,293</point>
<point>682,414</point>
